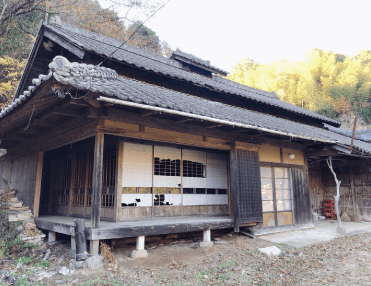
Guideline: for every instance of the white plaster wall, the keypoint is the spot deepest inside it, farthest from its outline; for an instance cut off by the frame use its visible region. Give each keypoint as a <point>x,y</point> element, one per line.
<point>173,199</point>
<point>137,165</point>
<point>167,153</point>
<point>216,171</point>
<point>194,199</point>
<point>217,199</point>
<point>145,199</point>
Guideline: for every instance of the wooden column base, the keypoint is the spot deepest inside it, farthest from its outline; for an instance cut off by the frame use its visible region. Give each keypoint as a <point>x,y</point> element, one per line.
<point>94,247</point>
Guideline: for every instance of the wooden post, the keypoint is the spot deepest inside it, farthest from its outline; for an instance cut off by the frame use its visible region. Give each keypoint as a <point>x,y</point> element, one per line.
<point>39,172</point>
<point>351,183</point>
<point>73,243</point>
<point>94,247</point>
<point>97,179</point>
<point>234,185</point>
<point>119,173</point>
<point>52,236</point>
<point>72,182</point>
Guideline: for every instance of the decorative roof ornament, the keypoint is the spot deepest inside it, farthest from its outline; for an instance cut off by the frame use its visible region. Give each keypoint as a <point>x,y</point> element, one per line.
<point>68,73</point>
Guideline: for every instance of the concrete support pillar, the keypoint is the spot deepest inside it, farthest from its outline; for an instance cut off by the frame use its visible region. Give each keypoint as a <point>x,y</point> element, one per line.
<point>140,252</point>
<point>73,243</point>
<point>52,236</point>
<point>94,247</point>
<point>207,239</point>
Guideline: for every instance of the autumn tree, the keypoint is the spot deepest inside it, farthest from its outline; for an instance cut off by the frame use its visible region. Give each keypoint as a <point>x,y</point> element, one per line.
<point>10,73</point>
<point>325,82</point>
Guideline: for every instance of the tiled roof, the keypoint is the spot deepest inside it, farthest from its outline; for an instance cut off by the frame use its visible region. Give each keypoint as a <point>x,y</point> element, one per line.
<point>105,81</point>
<point>104,46</point>
<point>188,58</point>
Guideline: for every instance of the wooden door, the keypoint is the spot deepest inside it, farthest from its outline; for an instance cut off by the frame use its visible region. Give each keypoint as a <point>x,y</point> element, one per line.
<point>245,187</point>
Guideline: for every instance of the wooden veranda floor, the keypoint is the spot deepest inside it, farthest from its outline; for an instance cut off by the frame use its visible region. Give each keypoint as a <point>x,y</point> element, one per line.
<point>132,228</point>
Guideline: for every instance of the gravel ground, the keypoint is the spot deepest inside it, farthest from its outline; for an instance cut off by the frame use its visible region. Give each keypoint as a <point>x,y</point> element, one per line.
<point>234,260</point>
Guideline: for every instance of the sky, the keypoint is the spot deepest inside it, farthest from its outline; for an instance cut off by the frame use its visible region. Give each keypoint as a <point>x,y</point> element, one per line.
<point>225,32</point>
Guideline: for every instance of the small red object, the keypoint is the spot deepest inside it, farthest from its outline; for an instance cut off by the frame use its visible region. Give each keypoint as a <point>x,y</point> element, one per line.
<point>329,209</point>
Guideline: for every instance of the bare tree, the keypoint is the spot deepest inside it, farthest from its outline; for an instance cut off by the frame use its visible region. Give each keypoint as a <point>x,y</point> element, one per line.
<point>329,163</point>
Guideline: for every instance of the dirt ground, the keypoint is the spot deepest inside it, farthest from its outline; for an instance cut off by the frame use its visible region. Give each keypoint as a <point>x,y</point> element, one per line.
<point>233,260</point>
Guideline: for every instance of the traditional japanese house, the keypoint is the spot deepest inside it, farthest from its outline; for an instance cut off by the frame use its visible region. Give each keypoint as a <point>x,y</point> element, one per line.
<point>139,144</point>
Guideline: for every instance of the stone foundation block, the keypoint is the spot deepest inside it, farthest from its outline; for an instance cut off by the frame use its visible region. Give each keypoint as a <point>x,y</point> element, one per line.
<point>139,254</point>
<point>341,230</point>
<point>204,244</point>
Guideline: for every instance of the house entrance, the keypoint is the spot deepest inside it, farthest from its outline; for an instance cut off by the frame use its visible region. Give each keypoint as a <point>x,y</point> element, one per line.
<point>68,183</point>
<point>276,196</point>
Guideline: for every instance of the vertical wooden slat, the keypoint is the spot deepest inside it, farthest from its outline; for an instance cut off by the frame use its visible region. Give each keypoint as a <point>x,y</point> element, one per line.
<point>234,185</point>
<point>72,182</point>
<point>97,179</point>
<point>119,174</point>
<point>301,196</point>
<point>39,171</point>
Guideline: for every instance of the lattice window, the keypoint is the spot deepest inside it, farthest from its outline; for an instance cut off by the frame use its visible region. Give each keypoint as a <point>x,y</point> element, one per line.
<point>193,169</point>
<point>66,173</point>
<point>108,201</point>
<point>167,167</point>
<point>79,176</point>
<point>109,166</point>
<point>60,198</point>
<point>90,166</point>
<point>78,198</point>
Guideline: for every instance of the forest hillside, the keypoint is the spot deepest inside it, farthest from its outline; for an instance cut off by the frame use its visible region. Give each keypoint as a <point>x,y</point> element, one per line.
<point>330,84</point>
<point>19,21</point>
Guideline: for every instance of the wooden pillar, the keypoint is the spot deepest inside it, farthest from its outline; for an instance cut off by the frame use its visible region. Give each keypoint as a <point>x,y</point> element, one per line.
<point>234,185</point>
<point>73,243</point>
<point>352,188</point>
<point>94,247</point>
<point>52,236</point>
<point>39,172</point>
<point>72,182</point>
<point>97,179</point>
<point>119,173</point>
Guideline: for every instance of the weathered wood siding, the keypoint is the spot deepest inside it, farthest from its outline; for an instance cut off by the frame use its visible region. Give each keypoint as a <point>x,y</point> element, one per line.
<point>6,163</point>
<point>302,214</point>
<point>23,178</point>
<point>316,188</point>
<point>245,187</point>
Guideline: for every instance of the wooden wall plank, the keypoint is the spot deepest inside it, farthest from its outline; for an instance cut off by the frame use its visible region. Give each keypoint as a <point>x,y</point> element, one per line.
<point>235,187</point>
<point>97,179</point>
<point>119,174</point>
<point>39,171</point>
<point>23,178</point>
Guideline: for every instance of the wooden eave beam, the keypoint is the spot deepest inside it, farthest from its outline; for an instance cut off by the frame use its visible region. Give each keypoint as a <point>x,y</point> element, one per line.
<point>92,100</point>
<point>44,123</point>
<point>213,126</point>
<point>148,113</point>
<point>65,112</point>
<point>184,120</point>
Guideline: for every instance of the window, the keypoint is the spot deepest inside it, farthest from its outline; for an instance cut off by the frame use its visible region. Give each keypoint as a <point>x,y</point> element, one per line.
<point>276,196</point>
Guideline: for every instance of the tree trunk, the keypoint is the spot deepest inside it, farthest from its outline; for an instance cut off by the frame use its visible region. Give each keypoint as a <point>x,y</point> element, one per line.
<point>329,163</point>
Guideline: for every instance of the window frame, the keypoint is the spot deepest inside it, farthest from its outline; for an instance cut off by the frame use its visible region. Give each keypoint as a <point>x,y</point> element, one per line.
<point>273,178</point>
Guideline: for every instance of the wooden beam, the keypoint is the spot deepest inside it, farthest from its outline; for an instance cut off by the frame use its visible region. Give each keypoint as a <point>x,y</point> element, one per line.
<point>66,112</point>
<point>92,100</point>
<point>148,113</point>
<point>67,133</point>
<point>234,174</point>
<point>92,113</point>
<point>97,179</point>
<point>39,171</point>
<point>119,174</point>
<point>156,229</point>
<point>214,126</point>
<point>184,120</point>
<point>44,123</point>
